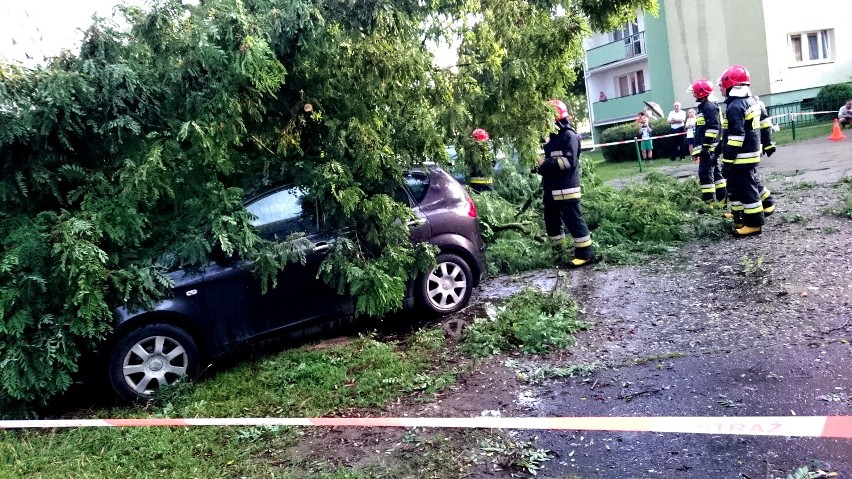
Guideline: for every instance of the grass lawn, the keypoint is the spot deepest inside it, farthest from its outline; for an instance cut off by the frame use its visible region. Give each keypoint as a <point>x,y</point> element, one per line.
<point>809,132</point>
<point>607,171</point>
<point>300,382</point>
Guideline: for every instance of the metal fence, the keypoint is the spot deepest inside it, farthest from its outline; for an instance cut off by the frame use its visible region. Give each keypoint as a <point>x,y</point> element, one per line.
<point>787,108</point>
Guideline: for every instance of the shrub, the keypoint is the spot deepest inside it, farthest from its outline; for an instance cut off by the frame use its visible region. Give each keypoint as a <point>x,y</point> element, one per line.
<point>532,321</point>
<point>831,98</point>
<point>628,131</point>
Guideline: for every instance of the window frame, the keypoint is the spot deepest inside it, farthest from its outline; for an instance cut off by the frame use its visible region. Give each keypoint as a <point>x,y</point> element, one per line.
<point>825,44</point>
<point>635,83</point>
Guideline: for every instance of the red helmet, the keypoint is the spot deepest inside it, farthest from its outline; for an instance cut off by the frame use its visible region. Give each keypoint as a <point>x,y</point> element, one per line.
<point>701,88</point>
<point>733,76</point>
<point>480,135</point>
<point>561,109</point>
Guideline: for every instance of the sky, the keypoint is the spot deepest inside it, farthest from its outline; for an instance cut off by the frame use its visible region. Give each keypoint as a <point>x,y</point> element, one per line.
<point>39,28</point>
<point>33,29</point>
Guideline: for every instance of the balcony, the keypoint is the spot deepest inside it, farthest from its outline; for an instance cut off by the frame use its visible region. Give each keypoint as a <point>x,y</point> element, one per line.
<point>616,51</point>
<point>621,107</point>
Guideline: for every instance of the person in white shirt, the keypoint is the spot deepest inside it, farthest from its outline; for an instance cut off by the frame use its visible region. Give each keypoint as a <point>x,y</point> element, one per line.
<point>844,115</point>
<point>677,118</point>
<point>690,130</point>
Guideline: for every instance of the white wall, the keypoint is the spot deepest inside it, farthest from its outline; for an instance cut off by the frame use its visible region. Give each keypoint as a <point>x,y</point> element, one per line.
<point>788,16</point>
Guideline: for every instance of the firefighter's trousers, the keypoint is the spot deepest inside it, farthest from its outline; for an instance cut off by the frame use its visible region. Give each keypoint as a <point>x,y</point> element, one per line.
<point>713,184</point>
<point>744,193</point>
<point>567,212</point>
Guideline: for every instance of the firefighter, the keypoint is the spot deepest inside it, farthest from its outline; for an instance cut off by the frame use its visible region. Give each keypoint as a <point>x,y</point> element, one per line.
<point>480,162</point>
<point>560,180</point>
<point>713,185</point>
<point>741,151</point>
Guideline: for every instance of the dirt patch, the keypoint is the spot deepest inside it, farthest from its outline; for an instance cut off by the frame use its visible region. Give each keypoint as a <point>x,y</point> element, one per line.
<point>747,327</point>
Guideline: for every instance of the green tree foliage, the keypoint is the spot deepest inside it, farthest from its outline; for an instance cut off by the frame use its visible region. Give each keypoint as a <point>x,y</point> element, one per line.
<point>134,155</point>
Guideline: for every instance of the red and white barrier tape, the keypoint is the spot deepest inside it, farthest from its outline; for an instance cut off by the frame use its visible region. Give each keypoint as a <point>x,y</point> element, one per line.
<point>802,426</point>
<point>793,115</point>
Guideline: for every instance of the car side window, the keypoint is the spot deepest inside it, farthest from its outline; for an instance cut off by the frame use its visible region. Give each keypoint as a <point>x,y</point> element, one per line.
<point>417,184</point>
<point>282,212</point>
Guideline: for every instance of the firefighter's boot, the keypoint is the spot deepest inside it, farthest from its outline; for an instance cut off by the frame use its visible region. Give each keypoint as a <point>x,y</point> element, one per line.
<point>747,231</point>
<point>582,256</point>
<point>579,263</point>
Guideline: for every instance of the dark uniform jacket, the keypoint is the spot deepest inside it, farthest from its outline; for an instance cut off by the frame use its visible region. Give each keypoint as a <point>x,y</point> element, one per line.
<point>707,126</point>
<point>741,139</point>
<point>560,171</point>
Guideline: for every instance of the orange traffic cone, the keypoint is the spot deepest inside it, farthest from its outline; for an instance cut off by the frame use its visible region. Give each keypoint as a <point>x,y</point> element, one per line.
<point>836,134</point>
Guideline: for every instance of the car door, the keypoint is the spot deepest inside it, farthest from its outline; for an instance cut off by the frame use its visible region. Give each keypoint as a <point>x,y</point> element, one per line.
<point>300,295</point>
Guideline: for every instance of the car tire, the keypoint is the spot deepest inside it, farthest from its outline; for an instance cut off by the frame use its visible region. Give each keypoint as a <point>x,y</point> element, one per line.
<point>151,357</point>
<point>447,288</point>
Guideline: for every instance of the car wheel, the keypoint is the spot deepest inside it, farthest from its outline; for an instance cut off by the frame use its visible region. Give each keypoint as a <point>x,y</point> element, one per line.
<point>149,358</point>
<point>447,288</point>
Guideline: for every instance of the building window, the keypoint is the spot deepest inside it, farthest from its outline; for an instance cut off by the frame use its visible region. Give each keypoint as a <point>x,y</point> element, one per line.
<point>812,46</point>
<point>626,31</point>
<point>630,84</point>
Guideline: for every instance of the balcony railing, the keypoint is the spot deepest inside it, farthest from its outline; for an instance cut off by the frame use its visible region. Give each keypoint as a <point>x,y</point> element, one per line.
<point>620,107</point>
<point>627,47</point>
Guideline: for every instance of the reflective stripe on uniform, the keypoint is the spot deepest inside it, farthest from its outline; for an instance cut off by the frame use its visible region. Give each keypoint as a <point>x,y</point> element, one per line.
<point>767,123</point>
<point>736,140</point>
<point>710,188</point>
<point>557,238</point>
<point>753,208</point>
<point>745,161</point>
<point>721,184</point>
<point>736,206</point>
<point>712,133</point>
<point>583,242</point>
<point>555,153</point>
<point>566,194</point>
<point>764,193</point>
<point>481,180</point>
<point>700,121</point>
<point>696,150</point>
<point>563,164</point>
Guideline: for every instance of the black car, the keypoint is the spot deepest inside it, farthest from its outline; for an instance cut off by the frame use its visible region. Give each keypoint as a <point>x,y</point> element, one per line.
<point>220,309</point>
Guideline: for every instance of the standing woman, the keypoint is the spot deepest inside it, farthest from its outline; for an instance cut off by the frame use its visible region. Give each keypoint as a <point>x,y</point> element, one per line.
<point>690,131</point>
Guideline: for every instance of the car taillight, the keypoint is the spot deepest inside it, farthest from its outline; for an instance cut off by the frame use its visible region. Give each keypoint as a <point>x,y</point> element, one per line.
<point>471,207</point>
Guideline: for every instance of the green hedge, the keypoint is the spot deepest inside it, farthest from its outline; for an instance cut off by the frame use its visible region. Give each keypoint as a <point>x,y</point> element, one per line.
<point>628,131</point>
<point>831,98</point>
